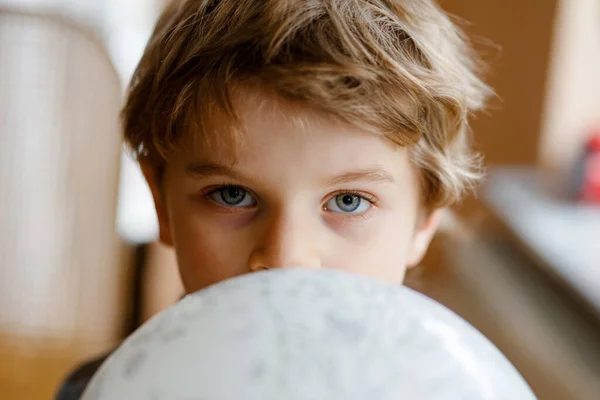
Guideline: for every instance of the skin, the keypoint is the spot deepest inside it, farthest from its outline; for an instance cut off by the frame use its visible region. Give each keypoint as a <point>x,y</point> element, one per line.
<point>300,190</point>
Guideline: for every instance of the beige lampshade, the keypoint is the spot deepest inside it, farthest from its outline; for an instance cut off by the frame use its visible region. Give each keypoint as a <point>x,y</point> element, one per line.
<point>61,272</point>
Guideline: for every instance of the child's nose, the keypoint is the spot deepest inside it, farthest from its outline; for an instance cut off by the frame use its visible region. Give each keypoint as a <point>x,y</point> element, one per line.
<point>286,241</point>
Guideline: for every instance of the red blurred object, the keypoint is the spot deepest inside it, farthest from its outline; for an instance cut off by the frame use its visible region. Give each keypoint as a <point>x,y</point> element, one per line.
<point>594,143</point>
<point>590,184</point>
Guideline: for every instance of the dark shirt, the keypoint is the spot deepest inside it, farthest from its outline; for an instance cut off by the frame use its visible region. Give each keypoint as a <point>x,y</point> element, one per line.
<point>73,387</point>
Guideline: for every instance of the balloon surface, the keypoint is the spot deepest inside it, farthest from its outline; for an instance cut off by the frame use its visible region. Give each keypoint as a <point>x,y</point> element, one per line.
<point>304,334</point>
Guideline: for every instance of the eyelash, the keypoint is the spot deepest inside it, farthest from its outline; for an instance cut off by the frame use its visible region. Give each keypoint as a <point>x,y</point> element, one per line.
<point>366,196</point>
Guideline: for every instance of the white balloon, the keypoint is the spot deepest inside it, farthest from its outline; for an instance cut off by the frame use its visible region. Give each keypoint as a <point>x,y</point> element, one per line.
<point>301,334</point>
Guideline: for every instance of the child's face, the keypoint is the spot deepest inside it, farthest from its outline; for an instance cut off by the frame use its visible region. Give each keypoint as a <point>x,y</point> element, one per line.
<point>301,191</point>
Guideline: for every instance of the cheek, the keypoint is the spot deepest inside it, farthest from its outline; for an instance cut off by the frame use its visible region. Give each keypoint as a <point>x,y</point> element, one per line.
<point>206,253</point>
<point>378,249</point>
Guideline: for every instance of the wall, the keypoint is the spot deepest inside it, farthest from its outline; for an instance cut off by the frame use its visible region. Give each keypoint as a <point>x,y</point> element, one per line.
<point>521,34</point>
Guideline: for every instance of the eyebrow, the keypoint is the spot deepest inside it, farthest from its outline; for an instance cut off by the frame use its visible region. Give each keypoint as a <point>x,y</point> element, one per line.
<point>375,175</point>
<point>209,170</point>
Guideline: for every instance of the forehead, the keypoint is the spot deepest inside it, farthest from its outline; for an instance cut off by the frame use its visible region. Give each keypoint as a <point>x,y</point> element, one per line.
<point>271,132</point>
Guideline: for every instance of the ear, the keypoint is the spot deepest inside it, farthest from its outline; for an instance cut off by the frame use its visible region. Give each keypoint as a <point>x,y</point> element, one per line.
<point>155,182</point>
<point>422,238</point>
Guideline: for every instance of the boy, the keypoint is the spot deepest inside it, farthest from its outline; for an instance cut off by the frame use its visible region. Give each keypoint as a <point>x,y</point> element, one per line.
<point>314,134</point>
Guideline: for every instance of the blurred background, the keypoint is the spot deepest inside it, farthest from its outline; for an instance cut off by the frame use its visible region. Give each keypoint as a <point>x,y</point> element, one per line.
<point>79,265</point>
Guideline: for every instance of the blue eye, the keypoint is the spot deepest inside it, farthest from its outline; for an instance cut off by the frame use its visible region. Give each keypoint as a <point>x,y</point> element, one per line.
<point>348,203</point>
<point>232,196</point>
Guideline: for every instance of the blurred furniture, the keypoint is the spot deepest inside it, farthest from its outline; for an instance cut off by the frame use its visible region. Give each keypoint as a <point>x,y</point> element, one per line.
<point>561,237</point>
<point>62,277</point>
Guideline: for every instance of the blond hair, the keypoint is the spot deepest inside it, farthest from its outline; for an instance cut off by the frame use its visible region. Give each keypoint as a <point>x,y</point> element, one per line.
<point>399,68</point>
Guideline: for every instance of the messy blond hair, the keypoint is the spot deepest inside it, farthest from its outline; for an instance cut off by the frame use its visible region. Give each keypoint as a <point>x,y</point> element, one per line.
<point>398,68</point>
